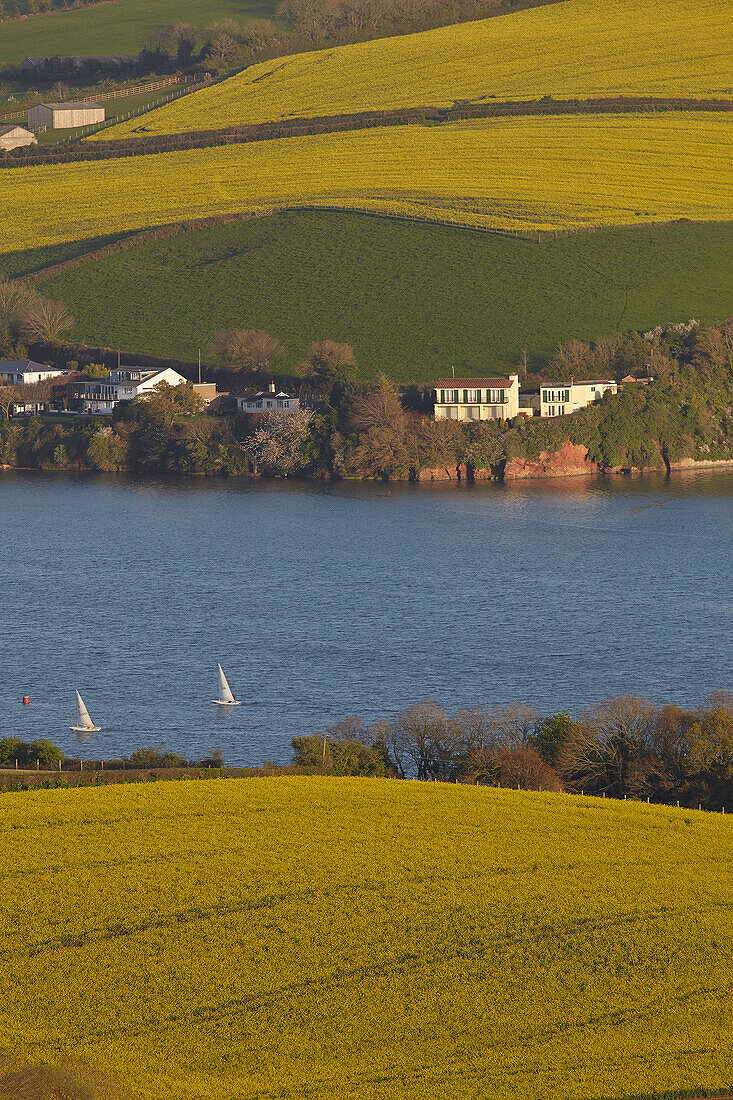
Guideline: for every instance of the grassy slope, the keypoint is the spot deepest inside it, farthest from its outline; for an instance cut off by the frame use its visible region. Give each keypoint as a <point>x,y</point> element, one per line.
<point>121,27</point>
<point>575,48</point>
<point>367,939</point>
<point>516,173</point>
<point>413,299</point>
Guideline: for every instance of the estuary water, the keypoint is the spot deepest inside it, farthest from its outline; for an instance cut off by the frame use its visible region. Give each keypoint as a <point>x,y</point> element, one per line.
<point>324,600</point>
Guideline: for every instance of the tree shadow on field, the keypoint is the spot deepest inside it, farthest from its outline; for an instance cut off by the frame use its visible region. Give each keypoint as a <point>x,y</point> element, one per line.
<point>64,1082</point>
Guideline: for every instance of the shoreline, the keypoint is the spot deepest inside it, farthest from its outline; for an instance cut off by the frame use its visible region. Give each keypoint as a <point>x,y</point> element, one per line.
<point>446,476</point>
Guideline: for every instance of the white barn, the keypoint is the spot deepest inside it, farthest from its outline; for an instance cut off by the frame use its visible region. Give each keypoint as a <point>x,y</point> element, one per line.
<point>64,116</point>
<point>13,136</point>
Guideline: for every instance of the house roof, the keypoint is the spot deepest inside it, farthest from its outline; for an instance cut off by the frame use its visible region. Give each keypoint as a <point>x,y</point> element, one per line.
<point>10,126</point>
<point>479,383</point>
<point>75,106</point>
<point>22,365</point>
<point>252,396</point>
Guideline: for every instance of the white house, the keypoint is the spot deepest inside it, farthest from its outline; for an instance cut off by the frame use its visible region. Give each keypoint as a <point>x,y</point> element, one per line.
<point>477,398</point>
<point>100,395</point>
<point>562,398</point>
<point>271,398</point>
<point>22,372</point>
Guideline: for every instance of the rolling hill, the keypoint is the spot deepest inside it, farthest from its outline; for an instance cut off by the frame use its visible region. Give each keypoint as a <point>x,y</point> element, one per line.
<point>367,939</point>
<point>577,48</point>
<point>119,27</point>
<point>517,174</point>
<point>413,299</point>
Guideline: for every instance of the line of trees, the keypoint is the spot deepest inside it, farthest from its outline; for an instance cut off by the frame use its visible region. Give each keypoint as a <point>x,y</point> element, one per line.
<point>42,753</point>
<point>623,747</point>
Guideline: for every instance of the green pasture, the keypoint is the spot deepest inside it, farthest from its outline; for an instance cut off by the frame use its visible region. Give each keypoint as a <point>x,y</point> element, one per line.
<point>413,299</point>
<point>122,26</point>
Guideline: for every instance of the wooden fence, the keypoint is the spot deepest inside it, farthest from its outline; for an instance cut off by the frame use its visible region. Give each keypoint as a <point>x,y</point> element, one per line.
<point>120,93</point>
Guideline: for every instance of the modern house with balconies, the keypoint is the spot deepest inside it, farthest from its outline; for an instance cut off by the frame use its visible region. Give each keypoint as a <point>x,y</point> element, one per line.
<point>99,396</point>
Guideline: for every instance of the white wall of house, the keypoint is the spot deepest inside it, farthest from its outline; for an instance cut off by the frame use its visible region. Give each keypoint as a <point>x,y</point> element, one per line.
<point>102,394</point>
<point>477,398</point>
<point>23,372</point>
<point>561,399</point>
<point>264,402</point>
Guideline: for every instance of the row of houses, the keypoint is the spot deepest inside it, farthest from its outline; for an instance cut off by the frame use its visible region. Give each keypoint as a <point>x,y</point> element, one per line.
<point>462,399</point>
<point>500,398</point>
<point>98,396</point>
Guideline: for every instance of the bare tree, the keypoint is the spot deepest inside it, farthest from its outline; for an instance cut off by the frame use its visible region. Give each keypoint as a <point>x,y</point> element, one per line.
<point>379,408</point>
<point>423,742</point>
<point>610,748</point>
<point>248,350</point>
<point>570,360</point>
<point>329,360</point>
<point>514,726</point>
<point>44,319</point>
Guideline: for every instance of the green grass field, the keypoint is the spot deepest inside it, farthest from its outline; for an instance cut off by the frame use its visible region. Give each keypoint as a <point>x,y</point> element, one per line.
<point>367,940</point>
<point>575,48</point>
<point>413,299</point>
<point>120,27</point>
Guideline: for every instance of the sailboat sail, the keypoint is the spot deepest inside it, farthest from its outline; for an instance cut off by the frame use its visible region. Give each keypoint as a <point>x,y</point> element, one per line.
<point>225,692</point>
<point>83,719</point>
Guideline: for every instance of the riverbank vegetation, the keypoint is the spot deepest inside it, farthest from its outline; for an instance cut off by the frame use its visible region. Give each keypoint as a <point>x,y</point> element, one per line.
<point>366,938</point>
<point>622,748</point>
<point>350,429</point>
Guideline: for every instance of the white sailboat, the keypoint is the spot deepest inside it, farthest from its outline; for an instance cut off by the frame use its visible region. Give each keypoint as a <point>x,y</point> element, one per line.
<point>84,723</point>
<point>226,695</point>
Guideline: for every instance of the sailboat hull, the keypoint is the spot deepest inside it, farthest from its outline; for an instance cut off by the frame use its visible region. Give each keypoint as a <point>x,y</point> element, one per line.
<point>85,729</point>
<point>226,703</point>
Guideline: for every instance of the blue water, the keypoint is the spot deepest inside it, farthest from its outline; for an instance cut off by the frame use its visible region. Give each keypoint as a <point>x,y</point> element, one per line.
<point>327,600</point>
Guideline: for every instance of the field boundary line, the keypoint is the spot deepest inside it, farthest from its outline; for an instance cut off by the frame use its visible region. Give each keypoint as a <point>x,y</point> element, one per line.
<point>236,134</point>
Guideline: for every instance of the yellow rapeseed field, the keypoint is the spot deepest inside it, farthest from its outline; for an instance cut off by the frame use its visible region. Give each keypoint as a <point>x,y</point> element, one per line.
<point>346,939</point>
<point>576,48</point>
<point>516,173</point>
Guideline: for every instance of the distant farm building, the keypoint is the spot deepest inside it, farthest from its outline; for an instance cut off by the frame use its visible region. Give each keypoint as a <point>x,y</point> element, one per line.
<point>14,137</point>
<point>63,116</point>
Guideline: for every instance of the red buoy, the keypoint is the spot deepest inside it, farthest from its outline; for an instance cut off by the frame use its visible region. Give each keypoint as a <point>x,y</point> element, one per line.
<point>26,700</point>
